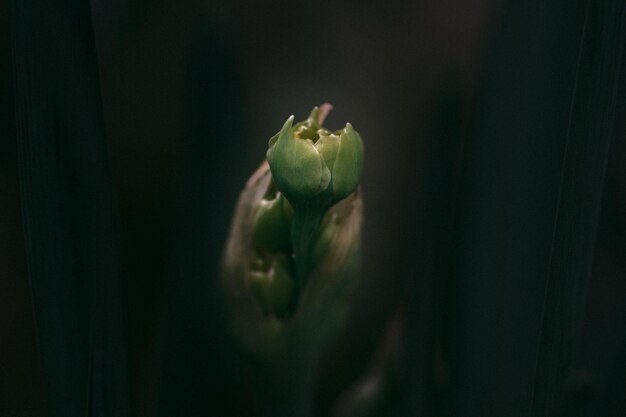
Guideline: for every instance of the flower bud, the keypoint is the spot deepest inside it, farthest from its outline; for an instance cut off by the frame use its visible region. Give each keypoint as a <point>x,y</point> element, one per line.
<point>310,164</point>
<point>314,169</point>
<point>293,250</point>
<point>272,284</point>
<point>272,225</point>
<point>268,314</point>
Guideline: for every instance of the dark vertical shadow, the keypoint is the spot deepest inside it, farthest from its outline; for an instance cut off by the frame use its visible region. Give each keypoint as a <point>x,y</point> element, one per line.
<point>531,187</point>
<point>67,208</point>
<point>600,354</point>
<point>433,247</point>
<point>590,128</point>
<point>21,385</point>
<point>199,375</point>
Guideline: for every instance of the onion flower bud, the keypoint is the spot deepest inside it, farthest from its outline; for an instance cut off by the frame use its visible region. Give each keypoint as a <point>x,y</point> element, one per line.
<point>291,258</point>
<point>313,166</point>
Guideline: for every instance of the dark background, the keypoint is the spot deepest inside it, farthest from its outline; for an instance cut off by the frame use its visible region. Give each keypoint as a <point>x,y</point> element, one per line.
<point>467,109</point>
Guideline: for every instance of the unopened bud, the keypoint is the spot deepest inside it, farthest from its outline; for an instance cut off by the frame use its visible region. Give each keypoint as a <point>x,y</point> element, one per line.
<point>310,164</point>
<point>300,220</point>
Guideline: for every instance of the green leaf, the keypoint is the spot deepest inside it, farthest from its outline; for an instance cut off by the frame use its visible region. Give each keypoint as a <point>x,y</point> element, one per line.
<point>67,206</point>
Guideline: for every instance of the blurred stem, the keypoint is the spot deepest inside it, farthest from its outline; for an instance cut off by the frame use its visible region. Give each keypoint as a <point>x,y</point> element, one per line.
<point>286,388</point>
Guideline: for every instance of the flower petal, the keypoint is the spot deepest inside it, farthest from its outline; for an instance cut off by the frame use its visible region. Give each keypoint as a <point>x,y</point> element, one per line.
<point>348,166</point>
<point>297,167</point>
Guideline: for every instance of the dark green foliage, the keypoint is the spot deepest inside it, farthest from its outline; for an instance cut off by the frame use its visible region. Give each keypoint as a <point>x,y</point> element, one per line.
<point>67,209</point>
<point>487,127</point>
<point>589,133</point>
<point>532,190</point>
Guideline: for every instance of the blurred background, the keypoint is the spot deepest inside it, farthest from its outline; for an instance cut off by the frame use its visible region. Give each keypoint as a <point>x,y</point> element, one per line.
<point>495,184</point>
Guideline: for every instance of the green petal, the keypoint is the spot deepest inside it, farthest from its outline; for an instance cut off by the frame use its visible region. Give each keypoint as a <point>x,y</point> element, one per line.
<point>272,140</point>
<point>348,166</point>
<point>298,169</point>
<point>307,129</point>
<point>327,146</point>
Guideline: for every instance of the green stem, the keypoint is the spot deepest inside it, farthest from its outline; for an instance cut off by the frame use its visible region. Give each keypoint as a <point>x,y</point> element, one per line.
<point>306,222</point>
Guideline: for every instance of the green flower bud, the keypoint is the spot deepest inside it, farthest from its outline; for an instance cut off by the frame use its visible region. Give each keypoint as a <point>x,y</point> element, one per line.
<point>292,255</point>
<point>272,225</point>
<point>310,164</point>
<point>314,168</point>
<point>269,313</point>
<point>272,284</point>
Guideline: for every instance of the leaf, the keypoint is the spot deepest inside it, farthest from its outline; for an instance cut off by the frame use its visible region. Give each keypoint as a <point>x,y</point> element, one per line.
<point>67,207</point>
<point>529,208</point>
<point>590,129</point>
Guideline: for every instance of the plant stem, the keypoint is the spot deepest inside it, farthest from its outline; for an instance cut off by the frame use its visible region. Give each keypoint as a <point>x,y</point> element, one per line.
<point>286,385</point>
<point>306,222</point>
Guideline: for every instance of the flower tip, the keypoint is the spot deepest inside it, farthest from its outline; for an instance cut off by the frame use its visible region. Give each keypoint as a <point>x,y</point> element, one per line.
<point>348,128</point>
<point>288,124</point>
<point>324,109</point>
<point>313,118</point>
